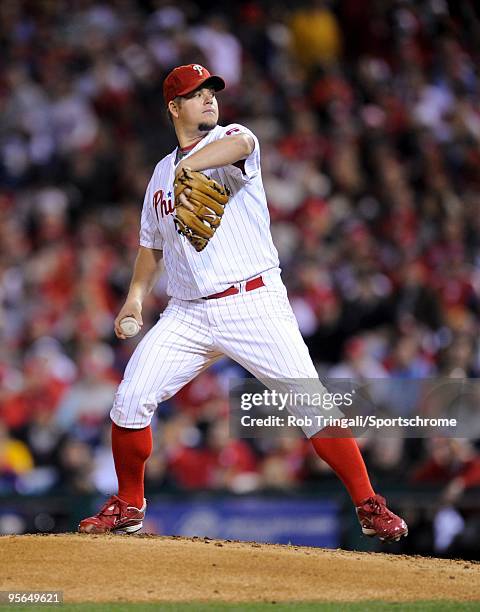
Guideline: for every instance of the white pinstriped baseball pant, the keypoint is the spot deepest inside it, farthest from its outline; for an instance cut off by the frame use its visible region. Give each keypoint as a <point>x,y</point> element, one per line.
<point>257,329</point>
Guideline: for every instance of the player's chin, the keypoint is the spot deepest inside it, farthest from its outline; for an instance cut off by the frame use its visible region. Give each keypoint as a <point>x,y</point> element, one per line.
<point>207,126</point>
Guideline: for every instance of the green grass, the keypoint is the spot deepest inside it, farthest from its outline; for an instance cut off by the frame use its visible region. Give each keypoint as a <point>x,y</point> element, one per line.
<point>362,606</point>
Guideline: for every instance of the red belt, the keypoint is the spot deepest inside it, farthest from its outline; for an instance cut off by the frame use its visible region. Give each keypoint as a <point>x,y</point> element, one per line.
<point>254,283</point>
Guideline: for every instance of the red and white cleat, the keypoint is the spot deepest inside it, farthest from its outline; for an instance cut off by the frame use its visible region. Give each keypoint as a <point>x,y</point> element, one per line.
<point>377,520</point>
<point>115,516</point>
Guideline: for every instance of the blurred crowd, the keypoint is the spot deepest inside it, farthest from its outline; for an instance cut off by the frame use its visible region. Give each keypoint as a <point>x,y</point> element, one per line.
<point>368,117</point>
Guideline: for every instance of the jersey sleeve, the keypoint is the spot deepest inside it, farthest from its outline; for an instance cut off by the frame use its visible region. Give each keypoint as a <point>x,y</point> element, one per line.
<point>251,165</point>
<point>150,236</point>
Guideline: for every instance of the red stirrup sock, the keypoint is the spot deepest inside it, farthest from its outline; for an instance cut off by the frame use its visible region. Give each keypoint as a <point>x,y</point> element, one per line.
<point>131,448</point>
<point>345,459</point>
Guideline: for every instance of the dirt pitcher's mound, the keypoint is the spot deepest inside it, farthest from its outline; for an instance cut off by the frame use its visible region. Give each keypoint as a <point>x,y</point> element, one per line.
<point>152,568</point>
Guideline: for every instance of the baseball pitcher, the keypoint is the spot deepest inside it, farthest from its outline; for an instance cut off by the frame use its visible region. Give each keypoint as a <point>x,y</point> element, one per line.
<point>205,213</point>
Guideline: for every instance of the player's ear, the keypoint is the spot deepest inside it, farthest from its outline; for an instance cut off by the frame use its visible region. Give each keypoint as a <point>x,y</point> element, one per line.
<point>173,107</point>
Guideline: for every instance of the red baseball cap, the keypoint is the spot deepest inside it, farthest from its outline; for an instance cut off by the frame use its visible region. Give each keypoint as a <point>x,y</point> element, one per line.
<point>185,79</point>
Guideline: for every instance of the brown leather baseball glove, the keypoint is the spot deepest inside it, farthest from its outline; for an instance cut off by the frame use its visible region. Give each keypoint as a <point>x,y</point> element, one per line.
<point>208,199</point>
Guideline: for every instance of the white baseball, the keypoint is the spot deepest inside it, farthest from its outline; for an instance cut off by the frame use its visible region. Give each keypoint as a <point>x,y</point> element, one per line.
<point>129,326</point>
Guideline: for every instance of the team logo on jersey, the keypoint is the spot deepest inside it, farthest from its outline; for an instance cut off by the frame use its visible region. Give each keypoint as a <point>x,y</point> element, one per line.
<point>166,205</point>
<point>198,69</point>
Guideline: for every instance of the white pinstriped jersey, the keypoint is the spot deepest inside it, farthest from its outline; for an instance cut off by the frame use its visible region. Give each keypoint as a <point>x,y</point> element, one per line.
<point>242,246</point>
